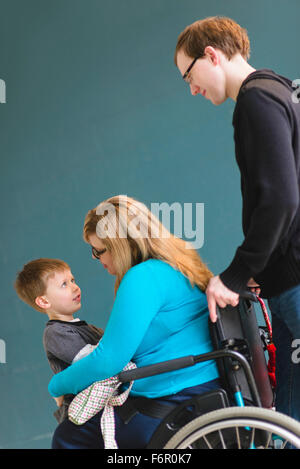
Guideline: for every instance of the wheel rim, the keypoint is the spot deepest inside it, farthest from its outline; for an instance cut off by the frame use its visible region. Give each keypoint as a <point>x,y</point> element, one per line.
<point>239,426</point>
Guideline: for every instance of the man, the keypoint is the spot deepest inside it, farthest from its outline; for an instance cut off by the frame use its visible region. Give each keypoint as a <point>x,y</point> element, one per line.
<point>211,55</point>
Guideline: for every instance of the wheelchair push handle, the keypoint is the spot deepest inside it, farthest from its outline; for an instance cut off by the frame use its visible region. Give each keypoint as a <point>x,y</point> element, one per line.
<point>245,295</point>
<point>249,295</point>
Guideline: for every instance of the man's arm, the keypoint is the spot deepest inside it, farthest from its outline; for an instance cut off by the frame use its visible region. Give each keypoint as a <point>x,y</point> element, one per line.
<point>268,165</point>
<point>269,174</point>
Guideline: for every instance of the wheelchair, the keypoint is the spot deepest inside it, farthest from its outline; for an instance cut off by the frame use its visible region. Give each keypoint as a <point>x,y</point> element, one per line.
<point>238,415</point>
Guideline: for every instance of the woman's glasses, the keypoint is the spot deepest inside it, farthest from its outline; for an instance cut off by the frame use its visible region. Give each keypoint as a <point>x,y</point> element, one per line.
<point>96,253</point>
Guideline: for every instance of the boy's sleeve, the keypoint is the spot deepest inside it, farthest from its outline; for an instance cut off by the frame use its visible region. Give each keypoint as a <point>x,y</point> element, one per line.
<point>265,143</point>
<point>137,301</point>
<point>84,352</point>
<point>63,342</point>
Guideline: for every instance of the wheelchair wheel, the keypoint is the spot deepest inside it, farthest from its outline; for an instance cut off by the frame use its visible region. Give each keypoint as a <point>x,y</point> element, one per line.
<point>238,428</point>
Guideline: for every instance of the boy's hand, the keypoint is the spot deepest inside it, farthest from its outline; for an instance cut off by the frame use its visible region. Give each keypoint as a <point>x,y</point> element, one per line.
<point>218,294</point>
<point>59,400</point>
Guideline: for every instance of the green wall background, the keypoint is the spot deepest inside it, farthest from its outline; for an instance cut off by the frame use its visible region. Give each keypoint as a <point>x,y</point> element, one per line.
<point>95,107</point>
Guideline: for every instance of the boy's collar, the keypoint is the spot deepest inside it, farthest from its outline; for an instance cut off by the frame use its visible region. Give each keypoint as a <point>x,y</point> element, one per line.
<point>77,322</point>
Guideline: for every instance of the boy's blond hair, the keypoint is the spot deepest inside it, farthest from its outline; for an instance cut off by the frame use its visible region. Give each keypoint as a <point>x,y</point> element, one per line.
<point>219,32</point>
<point>31,282</point>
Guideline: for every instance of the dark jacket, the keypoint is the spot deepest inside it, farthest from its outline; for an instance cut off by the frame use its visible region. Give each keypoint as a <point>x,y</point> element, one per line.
<point>62,341</point>
<point>266,123</point>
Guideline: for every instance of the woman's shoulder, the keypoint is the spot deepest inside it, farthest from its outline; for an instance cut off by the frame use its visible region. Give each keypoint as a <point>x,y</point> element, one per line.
<point>151,266</point>
<point>159,279</point>
<point>145,277</point>
<point>155,271</point>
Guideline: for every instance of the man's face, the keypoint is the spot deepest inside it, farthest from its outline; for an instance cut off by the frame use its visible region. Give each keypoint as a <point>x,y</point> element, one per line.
<point>206,77</point>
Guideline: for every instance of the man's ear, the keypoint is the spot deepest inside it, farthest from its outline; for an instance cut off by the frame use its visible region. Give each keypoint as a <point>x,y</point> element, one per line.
<point>42,302</point>
<point>212,54</point>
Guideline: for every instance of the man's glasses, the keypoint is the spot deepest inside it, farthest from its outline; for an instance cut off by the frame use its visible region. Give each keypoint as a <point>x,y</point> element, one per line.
<point>97,253</point>
<point>185,75</point>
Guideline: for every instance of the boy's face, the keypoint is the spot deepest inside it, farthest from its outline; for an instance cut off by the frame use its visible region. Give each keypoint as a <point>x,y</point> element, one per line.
<point>63,296</point>
<point>206,77</point>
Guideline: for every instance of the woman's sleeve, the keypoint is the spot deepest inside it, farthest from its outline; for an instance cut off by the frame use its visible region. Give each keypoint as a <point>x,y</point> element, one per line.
<point>137,301</point>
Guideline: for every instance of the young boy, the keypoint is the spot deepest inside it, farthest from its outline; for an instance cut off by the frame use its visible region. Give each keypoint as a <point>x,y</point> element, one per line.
<point>48,286</point>
<point>212,55</point>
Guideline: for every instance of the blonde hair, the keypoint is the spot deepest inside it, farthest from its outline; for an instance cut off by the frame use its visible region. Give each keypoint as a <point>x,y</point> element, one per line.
<point>219,32</point>
<point>132,234</point>
<point>31,281</point>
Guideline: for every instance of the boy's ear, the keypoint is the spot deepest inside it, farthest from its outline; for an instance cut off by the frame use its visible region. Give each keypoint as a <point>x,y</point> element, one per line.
<point>42,302</point>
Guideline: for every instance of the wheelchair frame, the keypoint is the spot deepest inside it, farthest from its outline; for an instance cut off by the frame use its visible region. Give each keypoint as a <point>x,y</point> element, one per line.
<point>235,353</point>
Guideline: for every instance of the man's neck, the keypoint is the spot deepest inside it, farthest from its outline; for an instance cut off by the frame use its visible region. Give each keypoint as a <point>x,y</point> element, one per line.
<point>237,70</point>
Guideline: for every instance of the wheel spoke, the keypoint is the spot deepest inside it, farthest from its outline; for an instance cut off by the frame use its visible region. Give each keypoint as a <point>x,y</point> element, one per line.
<point>252,438</point>
<point>268,440</point>
<point>207,442</point>
<point>238,437</point>
<point>283,444</point>
<point>222,439</point>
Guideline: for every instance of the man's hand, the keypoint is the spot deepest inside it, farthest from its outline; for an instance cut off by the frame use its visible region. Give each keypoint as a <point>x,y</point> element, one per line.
<point>218,294</point>
<point>255,288</point>
<point>59,400</point>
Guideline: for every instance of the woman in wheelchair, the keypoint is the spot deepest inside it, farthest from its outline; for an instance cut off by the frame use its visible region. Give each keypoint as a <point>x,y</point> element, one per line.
<point>159,313</point>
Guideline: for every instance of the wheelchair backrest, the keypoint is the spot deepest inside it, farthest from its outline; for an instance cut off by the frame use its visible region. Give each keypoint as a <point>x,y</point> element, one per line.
<point>237,328</point>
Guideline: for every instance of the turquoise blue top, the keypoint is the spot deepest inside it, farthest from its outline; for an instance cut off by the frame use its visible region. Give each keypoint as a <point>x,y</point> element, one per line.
<point>157,315</point>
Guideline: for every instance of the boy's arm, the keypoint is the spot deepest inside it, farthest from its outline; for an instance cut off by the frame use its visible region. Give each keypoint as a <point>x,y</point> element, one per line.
<point>86,350</point>
<point>62,342</point>
<point>89,348</point>
<point>96,330</point>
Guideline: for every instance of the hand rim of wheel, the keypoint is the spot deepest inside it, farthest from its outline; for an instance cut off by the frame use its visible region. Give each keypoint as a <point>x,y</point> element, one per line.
<point>262,419</point>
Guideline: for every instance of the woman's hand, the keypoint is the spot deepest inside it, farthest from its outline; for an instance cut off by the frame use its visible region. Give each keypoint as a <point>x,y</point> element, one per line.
<point>59,400</point>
